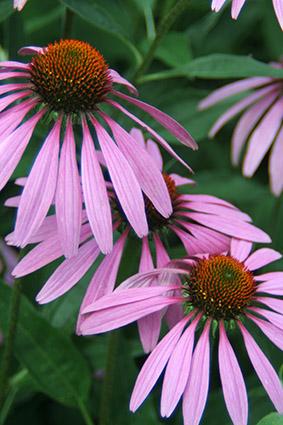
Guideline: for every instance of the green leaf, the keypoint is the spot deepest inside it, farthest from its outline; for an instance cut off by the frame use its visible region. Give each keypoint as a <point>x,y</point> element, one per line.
<point>218,66</point>
<point>174,49</point>
<point>271,419</point>
<point>52,360</point>
<point>100,17</point>
<point>6,9</point>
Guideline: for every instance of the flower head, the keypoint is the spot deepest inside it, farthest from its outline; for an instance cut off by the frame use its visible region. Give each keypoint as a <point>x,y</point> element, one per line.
<point>260,126</point>
<point>221,292</point>
<point>68,82</point>
<point>202,223</point>
<point>237,5</point>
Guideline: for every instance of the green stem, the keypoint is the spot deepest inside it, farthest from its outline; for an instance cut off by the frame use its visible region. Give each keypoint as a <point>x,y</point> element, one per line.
<point>9,340</point>
<point>107,389</point>
<point>85,414</point>
<point>162,29</point>
<point>68,23</point>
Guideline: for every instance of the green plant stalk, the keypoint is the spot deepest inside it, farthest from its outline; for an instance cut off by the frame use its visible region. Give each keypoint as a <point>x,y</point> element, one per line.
<point>68,20</point>
<point>162,30</point>
<point>107,388</point>
<point>9,340</point>
<point>85,414</point>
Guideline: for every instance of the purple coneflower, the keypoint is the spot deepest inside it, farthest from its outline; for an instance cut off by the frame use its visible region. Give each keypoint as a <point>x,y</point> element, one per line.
<point>221,290</point>
<point>203,223</point>
<point>260,126</point>
<point>68,81</point>
<point>19,4</point>
<point>238,4</point>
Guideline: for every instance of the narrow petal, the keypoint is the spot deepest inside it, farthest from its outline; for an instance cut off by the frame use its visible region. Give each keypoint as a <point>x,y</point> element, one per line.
<point>68,195</point>
<point>12,117</point>
<point>69,273</point>
<point>95,194</point>
<point>219,210</point>
<point>12,74</point>
<point>180,180</point>
<point>207,199</point>
<point>262,138</point>
<point>155,135</point>
<point>195,394</point>
<point>162,257</point>
<point>261,258</point>
<point>165,120</point>
<point>13,147</point>
<point>278,7</point>
<point>236,8</point>
<point>137,134</point>
<point>155,364</point>
<point>264,370</point>
<point>153,150</point>
<point>276,165</point>
<point>247,123</point>
<point>273,287</point>
<point>217,4</point>
<point>273,303</point>
<point>272,332</point>
<point>240,249</point>
<point>118,79</point>
<point>234,88</point>
<point>104,278</point>
<point>233,384</point>
<point>270,276</point>
<point>237,108</point>
<point>39,189</point>
<point>124,181</point>
<point>148,175</point>
<point>30,50</point>
<point>15,65</point>
<point>275,318</point>
<point>177,371</point>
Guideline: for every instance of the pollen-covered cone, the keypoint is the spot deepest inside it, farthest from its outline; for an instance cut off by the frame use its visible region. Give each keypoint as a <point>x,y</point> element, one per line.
<point>202,223</point>
<point>68,82</point>
<point>260,126</point>
<point>224,289</point>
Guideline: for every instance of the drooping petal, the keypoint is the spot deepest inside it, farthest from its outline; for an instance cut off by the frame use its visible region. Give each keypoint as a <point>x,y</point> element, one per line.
<point>13,147</point>
<point>180,180</point>
<point>278,7</point>
<point>124,181</point>
<point>218,210</point>
<point>275,318</point>
<point>240,249</point>
<point>155,364</point>
<point>261,258</point>
<point>39,189</point>
<point>264,370</point>
<point>15,65</point>
<point>273,303</point>
<point>246,124</point>
<point>195,394</point>
<point>136,133</point>
<point>155,135</point>
<point>177,370</point>
<point>153,150</point>
<point>144,167</point>
<point>118,79</point>
<point>165,120</point>
<point>233,384</point>
<point>272,332</point>
<point>95,194</point>
<point>272,287</point>
<point>68,199</point>
<point>276,165</point>
<point>69,273</point>
<point>30,50</point>
<point>19,4</point>
<point>236,8</point>
<point>262,138</point>
<point>104,278</point>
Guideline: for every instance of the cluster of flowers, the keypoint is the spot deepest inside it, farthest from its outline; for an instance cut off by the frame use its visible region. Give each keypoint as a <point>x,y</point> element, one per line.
<point>121,194</point>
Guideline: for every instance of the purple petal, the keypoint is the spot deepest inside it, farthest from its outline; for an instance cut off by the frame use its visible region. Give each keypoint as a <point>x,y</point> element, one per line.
<point>278,7</point>
<point>137,134</point>
<point>195,394</point>
<point>180,180</point>
<point>261,258</point>
<point>273,303</point>
<point>240,249</point>
<point>118,79</point>
<point>153,150</point>
<point>39,189</point>
<point>275,318</point>
<point>177,371</point>
<point>95,194</point>
<point>233,384</point>
<point>124,181</point>
<point>165,120</point>
<point>155,364</point>
<point>264,370</point>
<point>276,165</point>
<point>236,8</point>
<point>15,65</point>
<point>162,256</point>
<point>69,273</point>
<point>30,50</point>
<point>68,195</point>
<point>272,332</point>
<point>273,287</point>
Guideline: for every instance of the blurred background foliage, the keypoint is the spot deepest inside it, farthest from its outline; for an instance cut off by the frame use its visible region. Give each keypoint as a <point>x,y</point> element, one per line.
<point>57,377</point>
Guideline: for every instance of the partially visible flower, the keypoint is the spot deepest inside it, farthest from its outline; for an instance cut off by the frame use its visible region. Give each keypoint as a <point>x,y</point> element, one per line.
<point>237,5</point>
<point>202,223</point>
<point>19,4</point>
<point>260,126</point>
<point>68,81</point>
<point>8,261</point>
<point>217,291</point>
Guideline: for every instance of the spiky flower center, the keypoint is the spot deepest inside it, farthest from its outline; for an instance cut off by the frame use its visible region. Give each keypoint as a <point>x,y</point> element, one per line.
<point>155,220</point>
<point>221,286</point>
<point>70,76</point>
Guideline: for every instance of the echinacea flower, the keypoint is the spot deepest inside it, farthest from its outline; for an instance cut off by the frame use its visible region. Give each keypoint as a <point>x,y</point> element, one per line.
<point>221,289</point>
<point>237,5</point>
<point>68,81</point>
<point>260,126</point>
<point>203,224</point>
<point>19,4</point>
